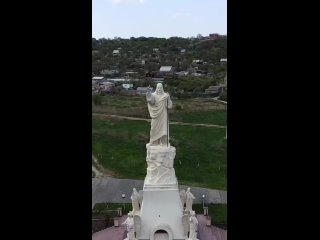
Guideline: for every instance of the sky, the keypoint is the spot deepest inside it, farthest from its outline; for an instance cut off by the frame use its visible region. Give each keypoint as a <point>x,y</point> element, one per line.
<point>158,18</point>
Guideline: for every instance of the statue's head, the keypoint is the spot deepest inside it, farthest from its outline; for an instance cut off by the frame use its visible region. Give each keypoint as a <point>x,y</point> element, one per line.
<point>188,190</point>
<point>134,190</point>
<point>159,89</point>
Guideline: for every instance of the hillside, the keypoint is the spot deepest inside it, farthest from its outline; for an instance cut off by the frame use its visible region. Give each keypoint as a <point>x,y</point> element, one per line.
<point>145,55</point>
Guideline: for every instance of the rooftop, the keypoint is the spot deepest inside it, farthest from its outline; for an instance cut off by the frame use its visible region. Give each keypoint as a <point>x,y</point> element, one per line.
<point>97,78</point>
<point>166,69</point>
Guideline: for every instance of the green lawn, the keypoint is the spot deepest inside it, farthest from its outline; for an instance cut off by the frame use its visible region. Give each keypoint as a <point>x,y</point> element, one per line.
<point>102,210</point>
<point>193,110</point>
<point>217,212</point>
<point>201,153</point>
<point>211,117</point>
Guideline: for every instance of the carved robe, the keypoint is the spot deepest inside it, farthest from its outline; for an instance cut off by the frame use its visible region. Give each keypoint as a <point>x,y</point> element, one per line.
<point>157,105</point>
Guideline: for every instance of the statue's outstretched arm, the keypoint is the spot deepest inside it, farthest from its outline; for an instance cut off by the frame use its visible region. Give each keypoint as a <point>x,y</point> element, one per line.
<point>150,98</point>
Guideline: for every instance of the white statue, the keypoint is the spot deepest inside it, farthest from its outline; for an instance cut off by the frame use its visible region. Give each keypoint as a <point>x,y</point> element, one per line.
<point>189,201</point>
<point>193,221</point>
<point>186,225</point>
<point>137,225</point>
<point>130,227</point>
<point>158,104</point>
<point>183,197</point>
<point>135,197</point>
<point>140,197</point>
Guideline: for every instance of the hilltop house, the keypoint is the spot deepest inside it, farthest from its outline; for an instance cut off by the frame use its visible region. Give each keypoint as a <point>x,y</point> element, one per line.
<point>107,72</point>
<point>143,90</point>
<point>95,85</point>
<point>130,74</point>
<point>198,61</point>
<point>127,85</point>
<point>97,78</point>
<point>223,60</point>
<point>199,73</point>
<point>214,36</point>
<point>215,90</point>
<point>101,84</point>
<point>166,71</point>
<point>106,87</point>
<point>116,52</point>
<point>181,73</point>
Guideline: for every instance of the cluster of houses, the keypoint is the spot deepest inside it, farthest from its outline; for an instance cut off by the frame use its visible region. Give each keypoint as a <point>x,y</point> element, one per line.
<point>110,78</point>
<point>104,85</point>
<point>216,91</point>
<point>169,71</point>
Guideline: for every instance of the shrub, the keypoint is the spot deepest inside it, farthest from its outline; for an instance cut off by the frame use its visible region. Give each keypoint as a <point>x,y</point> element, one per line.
<point>223,96</point>
<point>97,100</point>
<point>178,107</point>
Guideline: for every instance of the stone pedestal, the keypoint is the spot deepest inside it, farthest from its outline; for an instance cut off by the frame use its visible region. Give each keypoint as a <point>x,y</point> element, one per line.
<point>160,165</point>
<point>161,210</point>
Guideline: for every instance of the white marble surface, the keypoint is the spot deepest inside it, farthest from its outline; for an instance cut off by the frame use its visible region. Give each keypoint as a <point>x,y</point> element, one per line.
<point>160,161</point>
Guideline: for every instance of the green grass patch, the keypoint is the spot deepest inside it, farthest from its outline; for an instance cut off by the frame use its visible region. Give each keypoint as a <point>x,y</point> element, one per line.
<point>201,153</point>
<point>218,117</point>
<point>193,110</point>
<point>109,210</point>
<point>217,212</point>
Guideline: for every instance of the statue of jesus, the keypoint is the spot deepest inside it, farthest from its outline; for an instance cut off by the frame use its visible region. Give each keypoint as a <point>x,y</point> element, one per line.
<point>158,104</point>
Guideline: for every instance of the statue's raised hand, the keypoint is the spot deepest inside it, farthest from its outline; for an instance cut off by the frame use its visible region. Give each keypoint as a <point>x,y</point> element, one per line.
<point>148,95</point>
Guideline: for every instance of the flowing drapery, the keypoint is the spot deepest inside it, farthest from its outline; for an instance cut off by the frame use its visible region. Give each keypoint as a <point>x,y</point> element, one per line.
<point>158,112</point>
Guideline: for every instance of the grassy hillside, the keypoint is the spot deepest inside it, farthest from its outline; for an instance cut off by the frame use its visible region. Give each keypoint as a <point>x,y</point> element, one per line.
<point>201,158</point>
<point>193,110</point>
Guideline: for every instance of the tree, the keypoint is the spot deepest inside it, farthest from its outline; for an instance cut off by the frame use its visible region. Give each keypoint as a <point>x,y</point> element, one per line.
<point>97,99</point>
<point>169,54</point>
<point>94,43</point>
<point>199,36</point>
<point>224,96</point>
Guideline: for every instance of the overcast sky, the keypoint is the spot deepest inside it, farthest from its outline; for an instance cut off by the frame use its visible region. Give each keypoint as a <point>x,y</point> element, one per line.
<point>158,18</point>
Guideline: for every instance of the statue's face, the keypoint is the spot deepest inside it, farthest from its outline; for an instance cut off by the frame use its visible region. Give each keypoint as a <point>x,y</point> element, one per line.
<point>159,89</point>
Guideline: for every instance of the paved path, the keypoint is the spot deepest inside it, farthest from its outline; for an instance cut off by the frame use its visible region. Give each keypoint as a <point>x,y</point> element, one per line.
<point>112,233</point>
<point>209,232</point>
<point>148,120</point>
<point>111,189</point>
